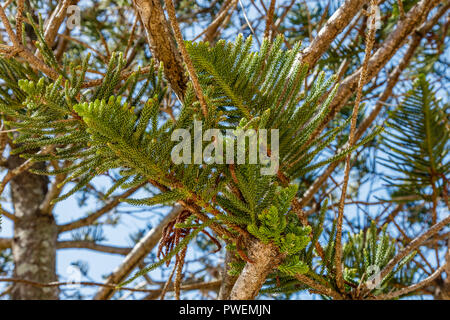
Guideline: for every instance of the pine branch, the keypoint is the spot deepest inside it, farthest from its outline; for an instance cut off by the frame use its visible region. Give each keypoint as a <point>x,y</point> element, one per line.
<point>370,38</point>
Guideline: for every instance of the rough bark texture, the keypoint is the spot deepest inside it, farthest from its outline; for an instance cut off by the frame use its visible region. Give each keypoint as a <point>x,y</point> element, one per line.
<point>265,258</point>
<point>162,43</point>
<point>35,235</point>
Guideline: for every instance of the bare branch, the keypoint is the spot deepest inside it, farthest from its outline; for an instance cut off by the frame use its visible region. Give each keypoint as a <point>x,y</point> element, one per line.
<point>5,243</point>
<point>187,60</point>
<point>392,81</point>
<point>351,139</point>
<point>265,258</point>
<point>418,241</point>
<point>80,244</point>
<point>228,281</point>
<point>318,287</point>
<point>56,19</point>
<point>90,219</point>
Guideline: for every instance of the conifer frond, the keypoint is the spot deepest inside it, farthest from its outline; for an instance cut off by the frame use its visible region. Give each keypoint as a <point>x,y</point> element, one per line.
<point>417,142</point>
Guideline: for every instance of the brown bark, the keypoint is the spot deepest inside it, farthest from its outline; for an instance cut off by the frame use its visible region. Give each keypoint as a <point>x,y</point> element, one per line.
<point>265,258</point>
<point>35,235</point>
<point>162,43</point>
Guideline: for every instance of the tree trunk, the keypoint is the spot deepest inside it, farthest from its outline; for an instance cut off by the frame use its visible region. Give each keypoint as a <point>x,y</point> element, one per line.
<point>35,236</point>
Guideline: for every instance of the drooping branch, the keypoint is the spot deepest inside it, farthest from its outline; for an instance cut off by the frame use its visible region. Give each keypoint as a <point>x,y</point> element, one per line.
<point>142,248</point>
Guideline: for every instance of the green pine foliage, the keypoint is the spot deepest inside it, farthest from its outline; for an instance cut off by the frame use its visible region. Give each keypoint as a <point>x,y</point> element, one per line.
<point>118,127</point>
<point>367,253</point>
<point>417,143</point>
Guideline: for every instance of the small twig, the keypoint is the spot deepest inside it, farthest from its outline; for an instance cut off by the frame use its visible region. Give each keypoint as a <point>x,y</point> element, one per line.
<point>132,36</point>
<point>179,275</point>
<point>362,80</point>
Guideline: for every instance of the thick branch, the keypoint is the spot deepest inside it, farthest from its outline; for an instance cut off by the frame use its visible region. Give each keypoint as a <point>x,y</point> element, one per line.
<point>162,43</point>
<point>5,243</point>
<point>228,281</point>
<point>265,258</point>
<point>213,285</point>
